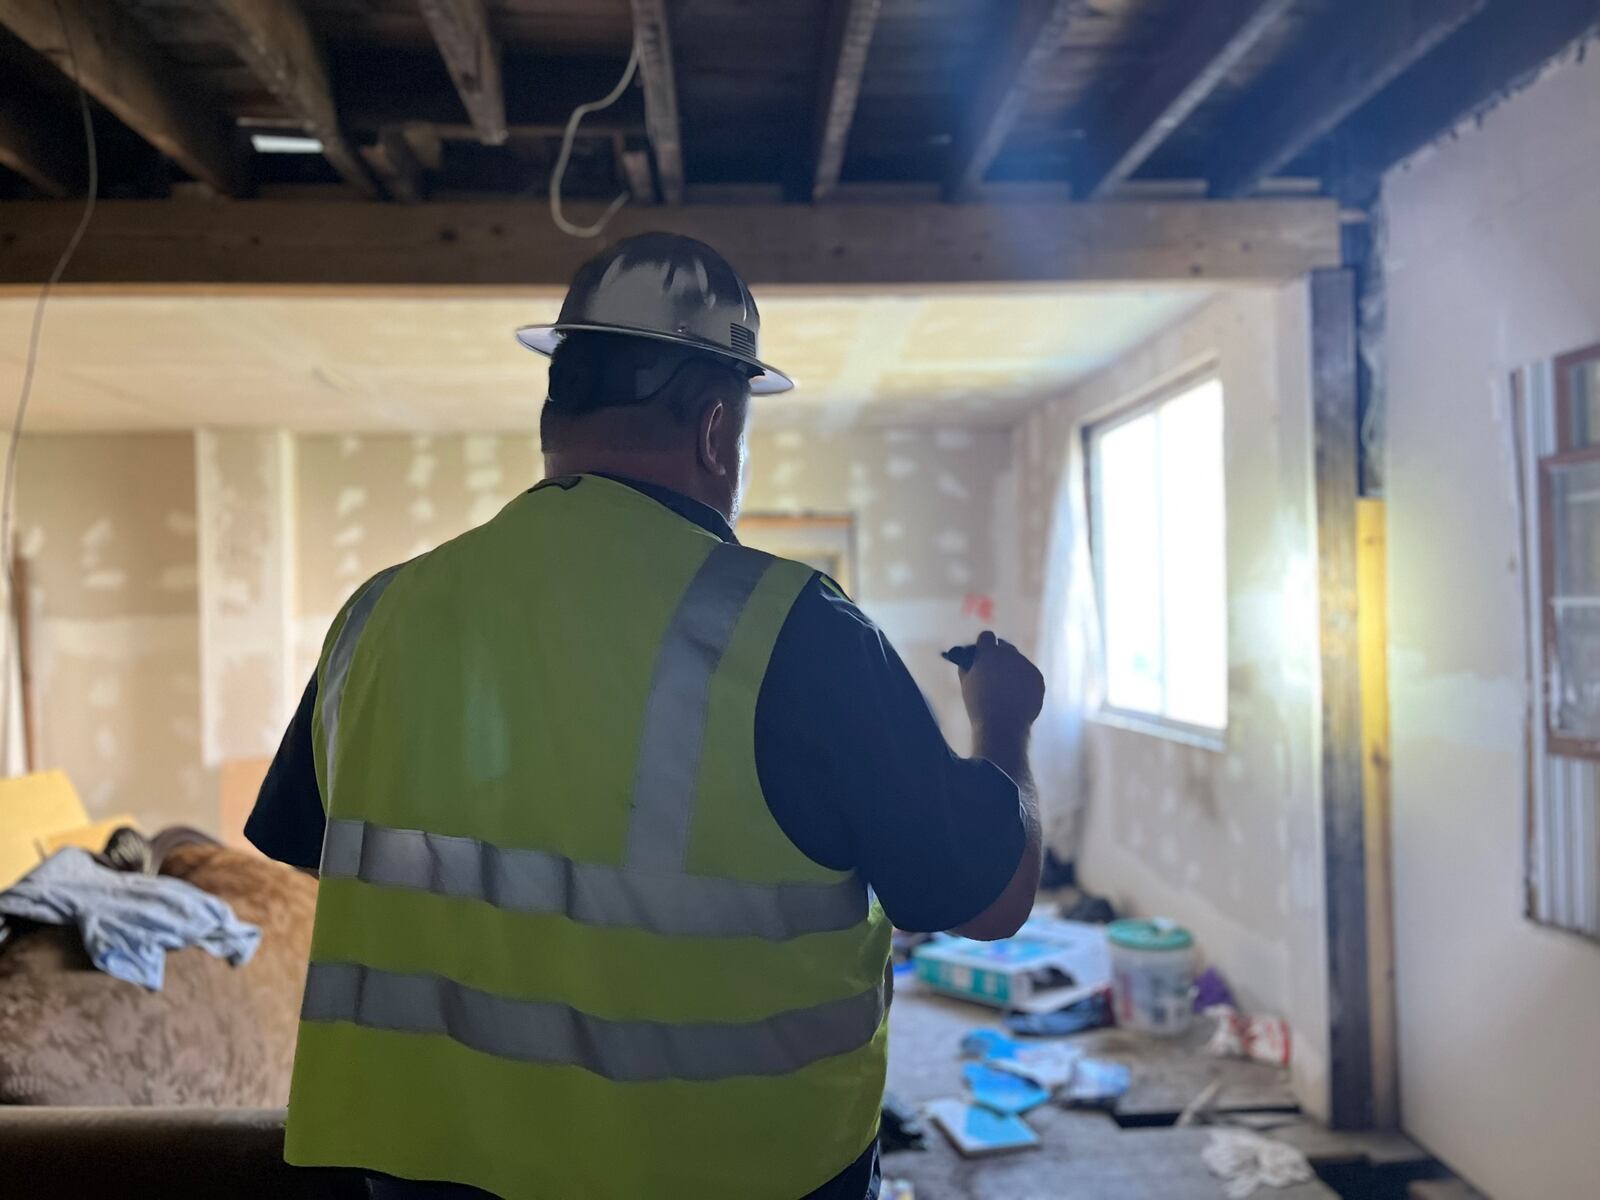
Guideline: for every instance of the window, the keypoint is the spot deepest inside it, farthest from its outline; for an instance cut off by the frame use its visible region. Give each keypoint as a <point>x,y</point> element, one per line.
<point>1156,496</point>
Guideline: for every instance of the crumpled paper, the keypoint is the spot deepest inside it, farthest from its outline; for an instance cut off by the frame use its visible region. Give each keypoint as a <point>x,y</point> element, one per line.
<point>1246,1161</point>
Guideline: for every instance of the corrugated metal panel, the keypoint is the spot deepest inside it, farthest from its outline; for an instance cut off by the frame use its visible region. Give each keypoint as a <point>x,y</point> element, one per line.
<point>1563,852</point>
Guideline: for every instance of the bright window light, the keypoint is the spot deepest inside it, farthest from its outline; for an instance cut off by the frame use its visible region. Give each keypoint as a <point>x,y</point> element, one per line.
<point>1159,557</point>
<point>280,143</point>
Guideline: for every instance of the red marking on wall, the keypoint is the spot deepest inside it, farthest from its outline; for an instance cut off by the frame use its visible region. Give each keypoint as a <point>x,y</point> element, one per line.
<point>978,605</point>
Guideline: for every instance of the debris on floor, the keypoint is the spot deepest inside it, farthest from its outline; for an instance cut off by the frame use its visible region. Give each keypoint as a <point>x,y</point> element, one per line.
<point>1264,1039</point>
<point>1093,1012</point>
<point>897,1189</point>
<point>1049,965</point>
<point>1247,1161</point>
<point>1003,1091</point>
<point>1096,1083</point>
<point>1051,1066</point>
<point>974,1130</point>
<point>901,1127</point>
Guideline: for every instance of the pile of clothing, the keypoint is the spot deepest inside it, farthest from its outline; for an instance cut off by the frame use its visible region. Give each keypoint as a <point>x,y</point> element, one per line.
<point>128,914</point>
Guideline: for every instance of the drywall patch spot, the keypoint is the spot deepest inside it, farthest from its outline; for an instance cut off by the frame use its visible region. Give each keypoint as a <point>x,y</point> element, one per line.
<point>350,535</point>
<point>485,508</point>
<point>957,573</point>
<point>785,473</point>
<point>900,467</point>
<point>349,446</point>
<point>478,449</point>
<point>421,510</point>
<point>899,437</point>
<point>951,541</point>
<point>31,541</point>
<point>105,692</point>
<point>950,486</point>
<point>892,530</point>
<point>349,567</point>
<point>421,471</point>
<point>790,439</point>
<point>952,439</point>
<point>900,574</point>
<point>105,581</point>
<point>351,499</point>
<point>105,742</point>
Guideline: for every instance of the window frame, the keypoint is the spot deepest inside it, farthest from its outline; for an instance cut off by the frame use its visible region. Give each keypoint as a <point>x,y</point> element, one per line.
<point>1149,400</point>
<point>1569,452</point>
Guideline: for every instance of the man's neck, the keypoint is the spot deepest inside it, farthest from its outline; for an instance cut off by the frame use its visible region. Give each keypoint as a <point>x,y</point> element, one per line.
<point>645,468</point>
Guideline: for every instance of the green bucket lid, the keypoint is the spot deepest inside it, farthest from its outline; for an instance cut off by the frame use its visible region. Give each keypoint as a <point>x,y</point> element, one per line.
<point>1158,934</point>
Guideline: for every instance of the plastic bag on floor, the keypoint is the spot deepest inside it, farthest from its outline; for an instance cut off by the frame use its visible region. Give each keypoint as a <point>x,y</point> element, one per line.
<point>1246,1161</point>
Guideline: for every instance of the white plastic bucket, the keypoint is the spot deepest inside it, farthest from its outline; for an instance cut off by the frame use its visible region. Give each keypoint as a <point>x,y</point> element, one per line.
<point>1152,976</point>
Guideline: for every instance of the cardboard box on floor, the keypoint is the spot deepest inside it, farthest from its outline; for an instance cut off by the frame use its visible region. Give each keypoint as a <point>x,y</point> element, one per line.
<point>41,813</point>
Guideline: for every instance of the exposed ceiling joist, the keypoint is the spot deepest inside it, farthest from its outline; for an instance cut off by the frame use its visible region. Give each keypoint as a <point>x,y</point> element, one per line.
<point>286,56</point>
<point>1359,49</point>
<point>393,160</point>
<point>1129,126</point>
<point>660,95</point>
<point>51,161</point>
<point>850,28</point>
<point>633,166</point>
<point>472,54</point>
<point>1495,51</point>
<point>1037,34</point>
<point>122,68</point>
<point>514,244</point>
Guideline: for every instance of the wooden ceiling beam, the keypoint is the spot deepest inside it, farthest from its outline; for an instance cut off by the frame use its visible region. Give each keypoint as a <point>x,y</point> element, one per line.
<point>660,95</point>
<point>1036,35</point>
<point>1129,125</point>
<point>1357,50</point>
<point>277,43</point>
<point>125,70</point>
<point>850,27</point>
<point>393,160</point>
<point>515,245</point>
<point>48,157</point>
<point>472,54</point>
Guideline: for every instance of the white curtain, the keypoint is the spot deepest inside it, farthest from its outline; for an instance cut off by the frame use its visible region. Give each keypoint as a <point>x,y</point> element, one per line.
<point>1069,656</point>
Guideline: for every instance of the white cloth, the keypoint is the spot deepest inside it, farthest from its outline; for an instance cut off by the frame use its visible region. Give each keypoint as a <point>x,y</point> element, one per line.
<point>1246,1161</point>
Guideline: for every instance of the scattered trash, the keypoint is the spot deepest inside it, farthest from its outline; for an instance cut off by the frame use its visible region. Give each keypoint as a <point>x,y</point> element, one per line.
<point>1264,1039</point>
<point>1097,1083</point>
<point>1086,909</point>
<point>1092,1012</point>
<point>901,1128</point>
<point>974,1130</point>
<point>1246,1161</point>
<point>1051,1066</point>
<point>1212,990</point>
<point>1057,873</point>
<point>1048,965</point>
<point>1152,970</point>
<point>1003,1091</point>
<point>897,1189</point>
<point>988,1043</point>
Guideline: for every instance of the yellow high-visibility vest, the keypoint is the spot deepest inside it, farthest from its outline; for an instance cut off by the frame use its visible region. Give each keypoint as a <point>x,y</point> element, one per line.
<point>562,949</point>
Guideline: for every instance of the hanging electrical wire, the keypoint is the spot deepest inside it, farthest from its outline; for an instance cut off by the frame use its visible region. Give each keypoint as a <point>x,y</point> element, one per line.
<point>31,362</point>
<point>567,138</point>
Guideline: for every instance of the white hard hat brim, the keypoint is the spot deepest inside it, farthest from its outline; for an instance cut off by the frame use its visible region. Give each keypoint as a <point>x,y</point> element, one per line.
<point>768,381</point>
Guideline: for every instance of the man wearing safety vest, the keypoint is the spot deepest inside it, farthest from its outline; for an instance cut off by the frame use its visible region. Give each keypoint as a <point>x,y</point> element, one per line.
<point>612,814</point>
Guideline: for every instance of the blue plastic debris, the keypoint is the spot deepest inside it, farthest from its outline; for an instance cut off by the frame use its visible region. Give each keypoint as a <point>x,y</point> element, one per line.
<point>1002,1091</point>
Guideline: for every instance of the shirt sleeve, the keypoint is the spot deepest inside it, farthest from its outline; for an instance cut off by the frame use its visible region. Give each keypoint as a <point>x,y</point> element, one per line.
<point>858,775</point>
<point>288,820</point>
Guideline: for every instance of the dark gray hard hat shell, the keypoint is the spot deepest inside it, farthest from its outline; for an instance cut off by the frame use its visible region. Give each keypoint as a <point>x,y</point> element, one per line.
<point>668,287</point>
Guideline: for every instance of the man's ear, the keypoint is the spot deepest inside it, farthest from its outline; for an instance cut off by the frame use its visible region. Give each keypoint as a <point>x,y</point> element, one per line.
<point>712,435</point>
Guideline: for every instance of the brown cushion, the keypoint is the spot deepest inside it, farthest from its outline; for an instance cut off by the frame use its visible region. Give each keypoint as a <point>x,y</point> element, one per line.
<point>214,1034</point>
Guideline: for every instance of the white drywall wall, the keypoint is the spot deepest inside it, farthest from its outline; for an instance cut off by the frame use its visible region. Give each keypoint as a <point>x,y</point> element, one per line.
<point>1226,842</point>
<point>1492,261</point>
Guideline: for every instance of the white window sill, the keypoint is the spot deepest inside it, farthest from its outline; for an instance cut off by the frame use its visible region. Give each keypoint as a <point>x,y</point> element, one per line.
<point>1214,740</point>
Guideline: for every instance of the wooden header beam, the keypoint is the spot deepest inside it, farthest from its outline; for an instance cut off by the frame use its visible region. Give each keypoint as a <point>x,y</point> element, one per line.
<point>470,51</point>
<point>122,68</point>
<point>1041,27</point>
<point>307,242</point>
<point>660,95</point>
<point>286,56</point>
<point>1358,49</point>
<point>1127,128</point>
<point>851,25</point>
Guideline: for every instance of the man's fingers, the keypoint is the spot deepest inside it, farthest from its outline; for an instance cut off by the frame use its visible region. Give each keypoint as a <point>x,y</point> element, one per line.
<point>987,640</point>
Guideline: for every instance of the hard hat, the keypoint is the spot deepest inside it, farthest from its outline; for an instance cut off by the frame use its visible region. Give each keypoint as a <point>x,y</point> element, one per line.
<point>667,287</point>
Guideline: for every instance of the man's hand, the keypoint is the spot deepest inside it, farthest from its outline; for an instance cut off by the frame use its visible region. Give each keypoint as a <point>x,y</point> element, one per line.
<point>1004,692</point>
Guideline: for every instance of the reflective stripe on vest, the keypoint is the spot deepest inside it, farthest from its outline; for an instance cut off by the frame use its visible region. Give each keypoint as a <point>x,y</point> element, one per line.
<point>651,891</point>
<point>537,881</point>
<point>557,1034</point>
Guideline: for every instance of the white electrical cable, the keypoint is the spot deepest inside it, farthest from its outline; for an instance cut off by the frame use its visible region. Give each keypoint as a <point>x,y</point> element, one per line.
<point>8,490</point>
<point>567,138</point>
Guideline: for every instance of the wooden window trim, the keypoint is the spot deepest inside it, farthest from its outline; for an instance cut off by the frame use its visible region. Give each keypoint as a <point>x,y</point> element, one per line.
<point>1564,745</point>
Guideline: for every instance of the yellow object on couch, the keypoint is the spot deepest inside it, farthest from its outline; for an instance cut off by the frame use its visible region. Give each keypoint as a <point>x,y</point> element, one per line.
<point>39,814</point>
